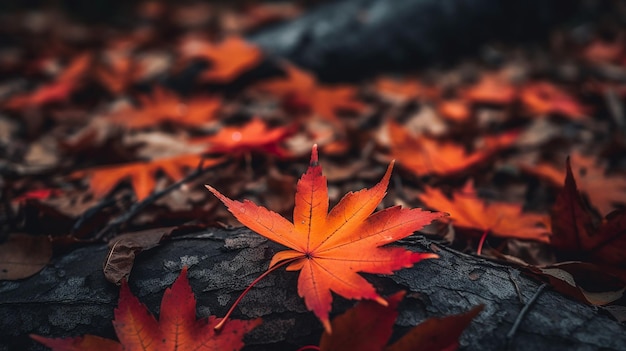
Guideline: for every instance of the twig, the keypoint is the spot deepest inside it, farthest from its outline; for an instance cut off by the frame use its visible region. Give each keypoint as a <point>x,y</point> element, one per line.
<point>90,212</point>
<point>114,224</point>
<point>523,312</point>
<point>519,292</point>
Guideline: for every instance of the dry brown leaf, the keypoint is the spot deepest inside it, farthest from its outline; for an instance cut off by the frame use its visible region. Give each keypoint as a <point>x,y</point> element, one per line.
<point>23,255</point>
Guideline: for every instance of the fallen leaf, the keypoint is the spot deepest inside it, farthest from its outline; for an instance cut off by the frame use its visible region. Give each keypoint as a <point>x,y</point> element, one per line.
<point>586,282</point>
<point>164,106</point>
<point>604,191</point>
<point>424,155</point>
<point>121,65</point>
<point>602,51</point>
<point>544,98</point>
<point>330,248</point>
<point>123,249</point>
<point>468,211</point>
<point>365,327</point>
<point>454,109</point>
<point>577,233</point>
<point>23,255</point>
<point>436,334</point>
<point>57,91</point>
<point>302,88</point>
<point>368,327</point>
<point>404,89</point>
<point>255,135</point>
<point>38,194</point>
<point>141,174</point>
<point>177,328</point>
<point>491,89</point>
<point>229,58</point>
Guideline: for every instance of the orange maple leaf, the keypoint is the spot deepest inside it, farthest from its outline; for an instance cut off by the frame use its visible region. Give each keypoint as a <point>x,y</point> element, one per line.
<point>164,106</point>
<point>407,89</point>
<point>58,90</point>
<point>254,136</point>
<point>141,174</point>
<point>601,51</point>
<point>330,248</point>
<point>177,328</point>
<point>424,155</point>
<point>502,219</point>
<point>229,58</point>
<point>120,66</point>
<point>543,98</point>
<point>604,191</point>
<point>302,86</point>
<point>491,89</point>
<point>458,110</point>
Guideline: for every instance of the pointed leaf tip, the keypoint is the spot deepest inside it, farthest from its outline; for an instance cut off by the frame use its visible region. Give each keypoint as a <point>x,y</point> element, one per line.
<point>381,301</point>
<point>314,158</point>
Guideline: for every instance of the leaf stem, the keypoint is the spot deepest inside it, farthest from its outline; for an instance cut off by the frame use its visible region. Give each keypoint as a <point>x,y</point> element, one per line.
<point>220,325</point>
<point>482,242</point>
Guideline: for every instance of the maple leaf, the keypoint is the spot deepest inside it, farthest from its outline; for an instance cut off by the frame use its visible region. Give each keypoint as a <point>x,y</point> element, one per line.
<point>502,219</point>
<point>37,194</point>
<point>164,106</point>
<point>604,191</point>
<point>368,327</point>
<point>436,334</point>
<point>491,89</point>
<point>454,109</point>
<point>576,232</point>
<point>543,98</point>
<point>330,248</point>
<point>58,90</point>
<point>254,136</point>
<point>424,155</point>
<point>229,58</point>
<point>177,328</point>
<point>406,90</point>
<point>302,86</point>
<point>141,174</point>
<point>601,51</point>
<point>120,66</point>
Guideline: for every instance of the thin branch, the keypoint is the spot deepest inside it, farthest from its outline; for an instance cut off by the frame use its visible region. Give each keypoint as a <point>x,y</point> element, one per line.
<point>524,310</point>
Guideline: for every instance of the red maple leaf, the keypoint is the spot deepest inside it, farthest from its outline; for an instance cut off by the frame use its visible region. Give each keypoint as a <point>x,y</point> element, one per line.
<point>58,90</point>
<point>368,327</point>
<point>578,233</point>
<point>256,135</point>
<point>603,190</point>
<point>177,328</point>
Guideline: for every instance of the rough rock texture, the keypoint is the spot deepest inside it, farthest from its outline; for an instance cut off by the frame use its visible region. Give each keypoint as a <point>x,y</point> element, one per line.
<point>71,297</point>
<point>351,39</point>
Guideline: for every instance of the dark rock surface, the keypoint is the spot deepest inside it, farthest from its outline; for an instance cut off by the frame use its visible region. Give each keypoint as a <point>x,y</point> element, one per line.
<point>71,297</point>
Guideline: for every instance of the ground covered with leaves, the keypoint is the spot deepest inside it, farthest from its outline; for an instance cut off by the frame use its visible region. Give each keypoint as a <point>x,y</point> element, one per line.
<point>109,133</point>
